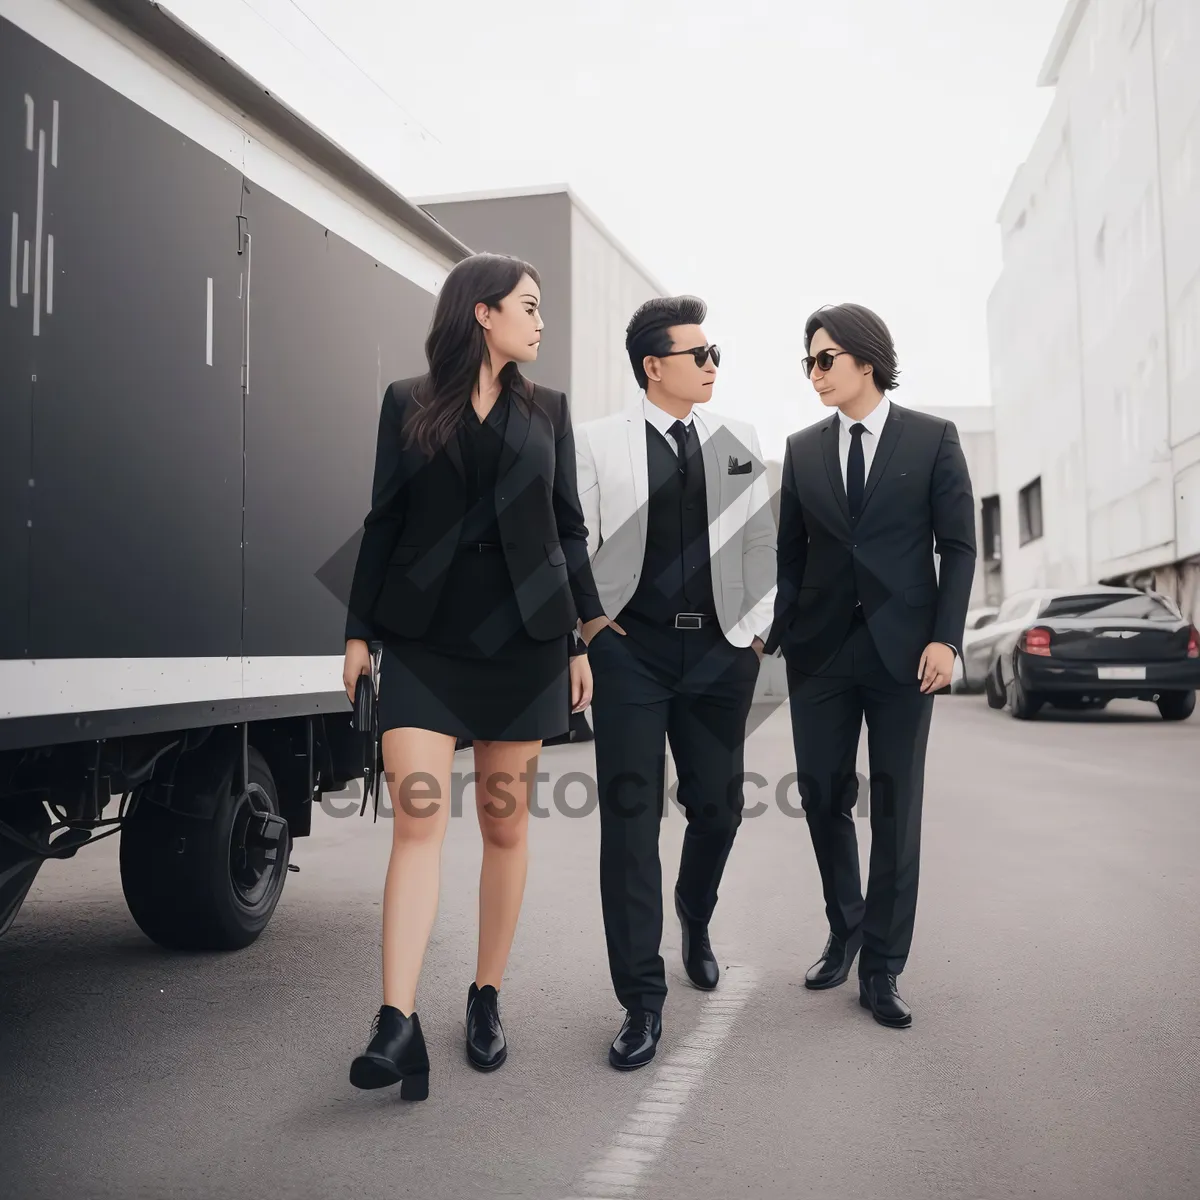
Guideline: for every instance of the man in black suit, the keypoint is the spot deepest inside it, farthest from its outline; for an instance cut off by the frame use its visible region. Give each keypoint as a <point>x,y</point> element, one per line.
<point>868,626</point>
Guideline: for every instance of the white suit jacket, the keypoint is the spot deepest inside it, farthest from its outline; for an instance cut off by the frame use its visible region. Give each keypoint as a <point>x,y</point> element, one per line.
<point>614,492</point>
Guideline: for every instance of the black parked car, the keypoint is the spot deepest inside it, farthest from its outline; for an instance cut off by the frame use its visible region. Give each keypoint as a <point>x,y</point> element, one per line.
<point>1079,648</point>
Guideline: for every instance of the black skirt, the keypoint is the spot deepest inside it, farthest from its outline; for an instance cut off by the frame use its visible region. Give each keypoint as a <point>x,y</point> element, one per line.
<point>476,673</point>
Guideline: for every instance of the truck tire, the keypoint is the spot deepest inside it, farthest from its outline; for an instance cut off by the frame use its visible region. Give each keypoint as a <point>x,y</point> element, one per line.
<point>194,884</point>
<point>18,867</point>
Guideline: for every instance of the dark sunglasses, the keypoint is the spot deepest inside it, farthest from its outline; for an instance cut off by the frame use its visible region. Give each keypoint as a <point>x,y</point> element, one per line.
<point>824,360</point>
<point>699,353</point>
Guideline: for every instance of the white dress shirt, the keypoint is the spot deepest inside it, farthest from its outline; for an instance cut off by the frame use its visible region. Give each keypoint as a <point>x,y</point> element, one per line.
<point>662,421</point>
<point>874,423</point>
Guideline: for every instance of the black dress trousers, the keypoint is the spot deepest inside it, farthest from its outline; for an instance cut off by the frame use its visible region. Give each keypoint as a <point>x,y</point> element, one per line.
<point>655,685</point>
<point>827,715</point>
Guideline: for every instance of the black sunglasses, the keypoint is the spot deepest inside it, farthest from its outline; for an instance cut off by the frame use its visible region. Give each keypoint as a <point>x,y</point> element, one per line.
<point>699,353</point>
<point>824,360</point>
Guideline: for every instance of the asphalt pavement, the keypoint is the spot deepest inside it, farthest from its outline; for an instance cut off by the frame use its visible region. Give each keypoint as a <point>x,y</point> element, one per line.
<point>1054,982</point>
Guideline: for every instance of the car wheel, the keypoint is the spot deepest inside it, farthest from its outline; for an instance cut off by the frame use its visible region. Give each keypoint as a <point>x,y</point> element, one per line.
<point>1176,706</point>
<point>1024,705</point>
<point>993,690</point>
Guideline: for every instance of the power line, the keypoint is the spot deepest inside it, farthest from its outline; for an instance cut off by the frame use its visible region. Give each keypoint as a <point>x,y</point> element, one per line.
<point>366,75</point>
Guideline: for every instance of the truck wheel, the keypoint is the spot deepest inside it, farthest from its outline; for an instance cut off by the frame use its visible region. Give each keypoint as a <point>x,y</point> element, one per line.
<point>195,884</point>
<point>1176,706</point>
<point>18,867</point>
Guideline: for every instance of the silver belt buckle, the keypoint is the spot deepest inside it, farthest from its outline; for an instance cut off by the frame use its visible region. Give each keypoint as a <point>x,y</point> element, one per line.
<point>689,620</point>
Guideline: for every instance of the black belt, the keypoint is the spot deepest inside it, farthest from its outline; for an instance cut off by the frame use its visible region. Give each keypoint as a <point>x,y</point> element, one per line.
<point>693,620</point>
<point>479,547</point>
<point>678,621</point>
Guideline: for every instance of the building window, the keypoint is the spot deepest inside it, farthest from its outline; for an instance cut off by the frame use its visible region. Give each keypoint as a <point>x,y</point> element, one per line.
<point>991,529</point>
<point>1029,511</point>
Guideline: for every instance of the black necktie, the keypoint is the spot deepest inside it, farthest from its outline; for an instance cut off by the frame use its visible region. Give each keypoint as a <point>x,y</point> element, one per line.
<point>679,433</point>
<point>855,470</point>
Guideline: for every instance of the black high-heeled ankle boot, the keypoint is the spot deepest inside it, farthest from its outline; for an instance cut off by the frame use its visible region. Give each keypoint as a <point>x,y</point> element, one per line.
<point>486,1047</point>
<point>395,1054</point>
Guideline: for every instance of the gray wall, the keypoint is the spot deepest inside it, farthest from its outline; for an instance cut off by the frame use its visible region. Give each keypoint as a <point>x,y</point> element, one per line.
<point>537,229</point>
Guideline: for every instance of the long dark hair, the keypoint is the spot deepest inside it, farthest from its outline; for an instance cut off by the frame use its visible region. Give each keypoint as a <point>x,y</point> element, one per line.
<point>456,349</point>
<point>863,334</point>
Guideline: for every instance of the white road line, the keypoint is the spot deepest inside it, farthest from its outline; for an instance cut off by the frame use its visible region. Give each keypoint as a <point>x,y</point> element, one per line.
<point>54,138</point>
<point>617,1172</point>
<point>208,328</point>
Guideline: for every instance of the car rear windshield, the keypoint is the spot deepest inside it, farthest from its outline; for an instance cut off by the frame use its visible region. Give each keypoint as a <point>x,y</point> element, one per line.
<point>1141,608</point>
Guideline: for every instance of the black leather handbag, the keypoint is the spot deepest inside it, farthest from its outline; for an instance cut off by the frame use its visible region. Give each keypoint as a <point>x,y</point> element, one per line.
<point>366,723</point>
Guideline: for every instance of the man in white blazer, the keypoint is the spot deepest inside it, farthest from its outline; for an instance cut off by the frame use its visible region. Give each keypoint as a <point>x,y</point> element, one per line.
<point>681,537</point>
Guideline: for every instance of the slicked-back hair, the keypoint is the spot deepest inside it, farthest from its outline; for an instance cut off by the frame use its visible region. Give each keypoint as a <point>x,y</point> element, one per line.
<point>862,333</point>
<point>648,331</point>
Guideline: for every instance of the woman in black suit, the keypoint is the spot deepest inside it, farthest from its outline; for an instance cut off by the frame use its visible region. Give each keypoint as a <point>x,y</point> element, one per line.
<point>473,572</point>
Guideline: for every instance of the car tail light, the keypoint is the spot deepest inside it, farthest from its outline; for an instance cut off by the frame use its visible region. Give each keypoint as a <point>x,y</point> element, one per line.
<point>1036,641</point>
<point>1193,644</point>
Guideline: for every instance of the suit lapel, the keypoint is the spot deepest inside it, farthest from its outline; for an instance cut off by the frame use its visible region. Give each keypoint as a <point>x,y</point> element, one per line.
<point>516,430</point>
<point>454,454</point>
<point>833,465</point>
<point>883,452</point>
<point>712,466</point>
<point>635,437</point>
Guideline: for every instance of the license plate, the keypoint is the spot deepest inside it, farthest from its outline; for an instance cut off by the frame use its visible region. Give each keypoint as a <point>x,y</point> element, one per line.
<point>1121,672</point>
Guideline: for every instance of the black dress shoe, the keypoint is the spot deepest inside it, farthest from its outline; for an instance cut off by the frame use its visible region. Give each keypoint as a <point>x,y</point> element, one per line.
<point>637,1041</point>
<point>877,991</point>
<point>698,959</point>
<point>486,1047</point>
<point>395,1054</point>
<point>833,967</point>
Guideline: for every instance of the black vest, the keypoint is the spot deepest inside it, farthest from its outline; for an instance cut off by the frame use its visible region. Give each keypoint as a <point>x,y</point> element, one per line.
<point>676,571</point>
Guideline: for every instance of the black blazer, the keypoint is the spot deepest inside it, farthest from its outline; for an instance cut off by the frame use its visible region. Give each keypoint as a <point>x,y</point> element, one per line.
<point>917,500</point>
<point>417,507</point>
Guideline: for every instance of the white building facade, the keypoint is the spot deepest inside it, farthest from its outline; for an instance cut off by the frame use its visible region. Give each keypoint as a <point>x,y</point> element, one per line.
<point>976,434</point>
<point>1094,324</point>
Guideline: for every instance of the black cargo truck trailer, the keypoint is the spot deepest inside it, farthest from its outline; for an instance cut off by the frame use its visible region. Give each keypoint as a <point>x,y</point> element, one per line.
<point>202,299</point>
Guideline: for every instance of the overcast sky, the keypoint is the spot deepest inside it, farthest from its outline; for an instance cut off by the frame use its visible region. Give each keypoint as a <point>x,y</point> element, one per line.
<point>768,155</point>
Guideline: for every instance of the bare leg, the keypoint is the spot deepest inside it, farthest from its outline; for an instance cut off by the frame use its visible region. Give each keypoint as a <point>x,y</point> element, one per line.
<point>418,764</point>
<point>502,802</point>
